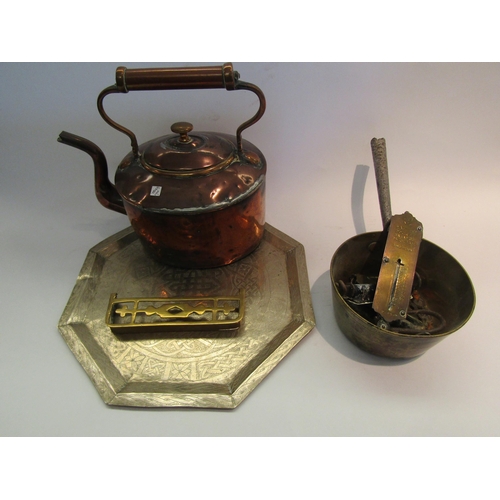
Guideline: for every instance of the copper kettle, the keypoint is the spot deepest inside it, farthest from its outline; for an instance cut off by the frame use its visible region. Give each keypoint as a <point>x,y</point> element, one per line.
<point>195,199</point>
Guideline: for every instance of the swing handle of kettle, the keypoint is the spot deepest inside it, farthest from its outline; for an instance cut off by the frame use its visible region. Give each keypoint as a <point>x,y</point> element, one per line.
<point>204,77</point>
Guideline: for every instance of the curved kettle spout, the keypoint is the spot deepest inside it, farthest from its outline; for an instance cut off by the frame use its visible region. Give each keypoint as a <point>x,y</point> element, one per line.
<point>105,191</point>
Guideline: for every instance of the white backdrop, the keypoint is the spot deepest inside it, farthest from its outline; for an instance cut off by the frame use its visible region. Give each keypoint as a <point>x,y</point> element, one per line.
<point>442,127</point>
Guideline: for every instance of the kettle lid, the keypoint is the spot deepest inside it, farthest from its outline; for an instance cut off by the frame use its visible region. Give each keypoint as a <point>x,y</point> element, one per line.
<point>183,153</point>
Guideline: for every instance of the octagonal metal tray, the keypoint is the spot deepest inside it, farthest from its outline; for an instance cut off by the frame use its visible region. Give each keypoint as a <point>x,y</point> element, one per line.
<point>188,369</point>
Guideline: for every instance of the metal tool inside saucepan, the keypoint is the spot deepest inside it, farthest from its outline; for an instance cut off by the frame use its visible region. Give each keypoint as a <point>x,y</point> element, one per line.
<point>394,293</point>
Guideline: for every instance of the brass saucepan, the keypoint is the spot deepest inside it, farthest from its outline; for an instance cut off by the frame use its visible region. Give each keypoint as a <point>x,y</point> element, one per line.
<point>442,297</point>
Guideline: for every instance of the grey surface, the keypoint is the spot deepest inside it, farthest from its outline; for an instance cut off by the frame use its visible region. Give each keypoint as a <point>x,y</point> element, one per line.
<point>442,127</point>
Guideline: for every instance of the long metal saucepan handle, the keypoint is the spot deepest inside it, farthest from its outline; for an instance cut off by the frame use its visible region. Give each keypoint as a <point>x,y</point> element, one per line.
<point>379,153</point>
<point>205,77</point>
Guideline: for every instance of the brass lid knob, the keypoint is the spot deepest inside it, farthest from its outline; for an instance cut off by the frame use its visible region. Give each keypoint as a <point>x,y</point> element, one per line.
<point>183,129</point>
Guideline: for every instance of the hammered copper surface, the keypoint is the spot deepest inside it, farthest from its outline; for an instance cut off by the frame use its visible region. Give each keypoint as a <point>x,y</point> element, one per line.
<point>192,369</point>
<point>209,239</point>
<point>191,185</point>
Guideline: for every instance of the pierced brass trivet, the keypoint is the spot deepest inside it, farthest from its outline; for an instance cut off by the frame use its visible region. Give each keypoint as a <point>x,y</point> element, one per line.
<point>174,314</point>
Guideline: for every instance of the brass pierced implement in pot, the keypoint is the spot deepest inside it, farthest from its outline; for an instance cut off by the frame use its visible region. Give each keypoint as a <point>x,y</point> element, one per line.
<point>397,271</point>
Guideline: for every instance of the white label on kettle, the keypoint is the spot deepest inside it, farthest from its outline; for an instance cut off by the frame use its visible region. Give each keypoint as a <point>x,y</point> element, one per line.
<point>155,190</point>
